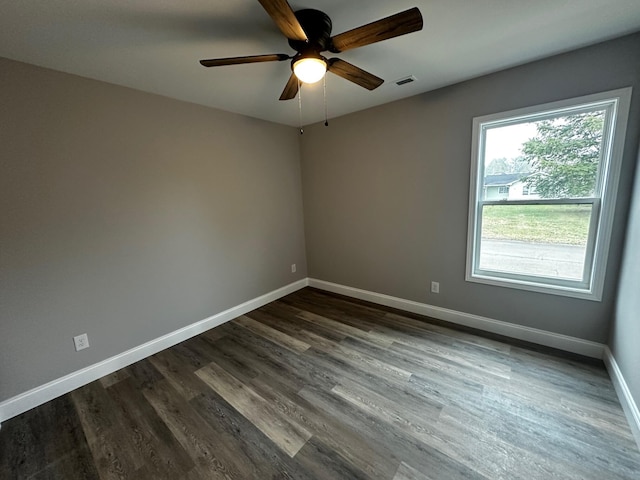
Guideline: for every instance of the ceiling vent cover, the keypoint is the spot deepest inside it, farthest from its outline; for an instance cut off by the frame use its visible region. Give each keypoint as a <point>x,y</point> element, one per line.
<point>405,80</point>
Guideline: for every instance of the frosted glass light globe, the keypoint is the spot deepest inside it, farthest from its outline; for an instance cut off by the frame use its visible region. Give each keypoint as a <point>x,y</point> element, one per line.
<point>309,70</point>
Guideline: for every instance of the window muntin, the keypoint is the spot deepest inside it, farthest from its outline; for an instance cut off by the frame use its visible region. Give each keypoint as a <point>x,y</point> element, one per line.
<point>551,233</point>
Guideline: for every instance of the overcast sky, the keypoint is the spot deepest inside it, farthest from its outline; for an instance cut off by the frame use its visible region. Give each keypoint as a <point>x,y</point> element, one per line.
<point>506,142</point>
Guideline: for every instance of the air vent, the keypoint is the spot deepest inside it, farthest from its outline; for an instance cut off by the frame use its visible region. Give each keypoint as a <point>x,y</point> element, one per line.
<point>405,80</point>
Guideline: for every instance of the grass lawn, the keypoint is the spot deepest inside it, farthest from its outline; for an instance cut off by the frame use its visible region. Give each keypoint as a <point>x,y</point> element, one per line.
<point>566,224</point>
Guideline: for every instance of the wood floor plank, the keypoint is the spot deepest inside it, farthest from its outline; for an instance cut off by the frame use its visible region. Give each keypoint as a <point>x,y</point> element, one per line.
<point>114,377</point>
<point>281,309</point>
<point>422,428</point>
<point>283,431</point>
<point>76,464</point>
<point>154,443</point>
<point>110,441</point>
<point>408,448</point>
<point>272,334</point>
<point>112,459</point>
<point>446,389</point>
<point>96,410</point>
<point>299,369</point>
<point>144,374</point>
<point>504,453</point>
<point>20,457</point>
<point>176,372</point>
<point>599,418</point>
<point>572,439</point>
<point>246,360</point>
<point>207,451</point>
<point>285,314</point>
<point>196,352</point>
<point>317,341</point>
<point>39,437</point>
<point>447,349</point>
<point>407,472</point>
<point>326,463</point>
<point>303,331</point>
<point>320,386</point>
<point>366,362</point>
<point>252,447</point>
<point>338,368</point>
<point>406,358</point>
<point>417,325</point>
<point>367,454</point>
<point>348,311</point>
<point>404,406</point>
<point>347,330</point>
<point>432,362</point>
<point>234,359</point>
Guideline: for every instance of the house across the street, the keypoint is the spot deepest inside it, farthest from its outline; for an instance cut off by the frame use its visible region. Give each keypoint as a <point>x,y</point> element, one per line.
<point>508,186</point>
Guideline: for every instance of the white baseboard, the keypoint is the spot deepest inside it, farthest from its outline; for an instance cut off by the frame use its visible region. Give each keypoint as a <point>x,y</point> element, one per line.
<point>44,393</point>
<point>624,394</point>
<point>534,335</point>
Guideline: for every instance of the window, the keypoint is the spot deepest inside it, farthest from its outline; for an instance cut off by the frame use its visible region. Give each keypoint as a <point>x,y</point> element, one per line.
<point>567,156</point>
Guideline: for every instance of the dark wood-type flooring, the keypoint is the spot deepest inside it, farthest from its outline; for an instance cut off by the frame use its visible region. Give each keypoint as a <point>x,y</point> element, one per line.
<point>317,386</point>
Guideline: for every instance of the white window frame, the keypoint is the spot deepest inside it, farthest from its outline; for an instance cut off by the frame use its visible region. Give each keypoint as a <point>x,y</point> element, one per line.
<point>603,203</point>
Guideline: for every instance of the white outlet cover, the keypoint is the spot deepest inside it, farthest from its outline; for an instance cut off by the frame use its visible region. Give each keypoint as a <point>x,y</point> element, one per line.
<point>293,268</point>
<point>435,287</point>
<point>81,342</point>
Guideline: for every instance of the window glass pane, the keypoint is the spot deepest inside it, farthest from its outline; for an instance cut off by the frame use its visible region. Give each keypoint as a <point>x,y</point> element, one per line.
<point>542,194</point>
<point>535,240</point>
<point>556,158</point>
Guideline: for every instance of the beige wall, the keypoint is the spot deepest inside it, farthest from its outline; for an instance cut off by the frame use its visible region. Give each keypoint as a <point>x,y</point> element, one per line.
<point>386,190</point>
<point>127,216</point>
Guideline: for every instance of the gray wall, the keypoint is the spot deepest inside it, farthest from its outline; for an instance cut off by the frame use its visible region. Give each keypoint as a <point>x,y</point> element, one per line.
<point>127,216</point>
<point>625,334</point>
<point>386,190</point>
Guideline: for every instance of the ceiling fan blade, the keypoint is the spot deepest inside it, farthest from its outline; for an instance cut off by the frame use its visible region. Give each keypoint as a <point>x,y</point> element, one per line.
<point>291,88</point>
<point>389,27</point>
<point>284,17</point>
<point>218,62</point>
<point>354,74</point>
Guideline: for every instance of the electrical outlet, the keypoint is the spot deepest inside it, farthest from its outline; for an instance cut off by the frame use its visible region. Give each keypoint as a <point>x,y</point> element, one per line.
<point>435,287</point>
<point>81,342</point>
<point>293,268</point>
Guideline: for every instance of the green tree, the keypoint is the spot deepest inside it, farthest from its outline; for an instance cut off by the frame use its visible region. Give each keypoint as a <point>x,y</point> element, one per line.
<point>504,165</point>
<point>564,155</point>
<point>497,166</point>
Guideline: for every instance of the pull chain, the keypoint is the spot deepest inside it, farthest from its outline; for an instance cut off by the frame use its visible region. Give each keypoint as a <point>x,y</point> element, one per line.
<point>326,114</point>
<point>300,106</point>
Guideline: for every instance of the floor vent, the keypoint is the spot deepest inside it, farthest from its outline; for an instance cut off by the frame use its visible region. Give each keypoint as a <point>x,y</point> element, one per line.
<point>405,80</point>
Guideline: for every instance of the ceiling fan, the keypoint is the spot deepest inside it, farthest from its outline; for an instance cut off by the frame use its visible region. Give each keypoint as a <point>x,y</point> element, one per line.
<point>309,34</point>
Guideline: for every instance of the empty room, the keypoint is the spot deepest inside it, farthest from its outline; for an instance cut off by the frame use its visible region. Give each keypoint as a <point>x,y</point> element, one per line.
<point>320,240</point>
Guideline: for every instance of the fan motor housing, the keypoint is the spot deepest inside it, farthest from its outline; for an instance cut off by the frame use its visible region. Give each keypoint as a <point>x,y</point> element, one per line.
<point>317,26</point>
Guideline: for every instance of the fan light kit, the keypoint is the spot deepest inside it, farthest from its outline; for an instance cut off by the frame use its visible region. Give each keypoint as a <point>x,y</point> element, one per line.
<point>308,32</point>
<point>310,69</point>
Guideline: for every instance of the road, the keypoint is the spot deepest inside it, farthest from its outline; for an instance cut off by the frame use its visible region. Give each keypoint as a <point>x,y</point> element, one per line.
<point>553,260</point>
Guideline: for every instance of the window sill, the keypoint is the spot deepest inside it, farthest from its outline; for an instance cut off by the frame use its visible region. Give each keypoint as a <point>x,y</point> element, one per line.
<point>562,290</point>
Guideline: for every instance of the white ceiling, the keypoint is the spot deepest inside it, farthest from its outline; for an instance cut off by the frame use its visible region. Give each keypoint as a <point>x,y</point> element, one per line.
<point>155,45</point>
